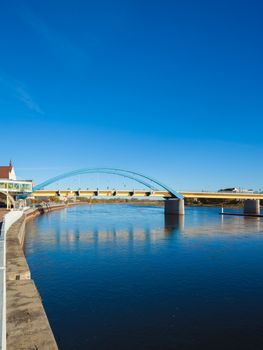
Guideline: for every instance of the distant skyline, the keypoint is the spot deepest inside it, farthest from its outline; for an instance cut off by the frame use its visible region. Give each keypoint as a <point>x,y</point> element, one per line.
<point>168,88</point>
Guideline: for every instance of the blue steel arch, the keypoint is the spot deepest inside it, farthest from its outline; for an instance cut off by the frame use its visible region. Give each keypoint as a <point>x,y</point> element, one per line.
<point>115,171</point>
<point>90,171</point>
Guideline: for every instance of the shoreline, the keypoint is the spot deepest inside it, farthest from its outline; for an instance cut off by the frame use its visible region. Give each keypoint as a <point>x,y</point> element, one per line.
<point>27,325</point>
<point>160,204</point>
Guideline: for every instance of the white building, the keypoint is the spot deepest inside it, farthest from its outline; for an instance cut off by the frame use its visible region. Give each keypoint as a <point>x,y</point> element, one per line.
<point>10,187</point>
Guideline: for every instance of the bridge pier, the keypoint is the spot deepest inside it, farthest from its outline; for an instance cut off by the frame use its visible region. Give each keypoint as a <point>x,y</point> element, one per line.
<point>174,206</point>
<point>252,206</point>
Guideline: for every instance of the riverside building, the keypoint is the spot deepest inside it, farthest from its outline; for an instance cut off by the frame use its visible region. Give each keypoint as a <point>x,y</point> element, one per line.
<point>10,187</point>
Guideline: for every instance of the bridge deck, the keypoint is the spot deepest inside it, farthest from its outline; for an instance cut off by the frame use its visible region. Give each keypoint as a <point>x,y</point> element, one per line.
<point>143,193</point>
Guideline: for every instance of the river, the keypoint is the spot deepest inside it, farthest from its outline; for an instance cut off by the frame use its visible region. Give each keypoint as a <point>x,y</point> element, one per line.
<point>122,276</point>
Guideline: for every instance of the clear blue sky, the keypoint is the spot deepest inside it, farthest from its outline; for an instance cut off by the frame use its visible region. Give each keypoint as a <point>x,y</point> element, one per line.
<point>173,89</point>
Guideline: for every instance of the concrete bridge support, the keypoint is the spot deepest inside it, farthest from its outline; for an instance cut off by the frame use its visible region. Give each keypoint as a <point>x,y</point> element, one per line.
<point>252,206</point>
<point>174,206</point>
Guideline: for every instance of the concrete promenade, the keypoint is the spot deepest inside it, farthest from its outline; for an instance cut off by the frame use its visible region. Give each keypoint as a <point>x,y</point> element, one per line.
<point>27,325</point>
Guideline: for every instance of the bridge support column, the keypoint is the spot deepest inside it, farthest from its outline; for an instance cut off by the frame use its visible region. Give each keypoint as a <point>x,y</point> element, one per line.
<point>174,206</point>
<point>252,206</point>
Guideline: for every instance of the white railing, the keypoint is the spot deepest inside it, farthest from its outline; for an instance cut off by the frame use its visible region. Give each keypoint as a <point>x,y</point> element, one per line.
<point>8,220</point>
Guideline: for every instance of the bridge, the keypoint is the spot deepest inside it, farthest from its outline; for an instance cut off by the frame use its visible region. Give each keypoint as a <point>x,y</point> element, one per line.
<point>144,193</point>
<point>251,200</point>
<point>174,201</point>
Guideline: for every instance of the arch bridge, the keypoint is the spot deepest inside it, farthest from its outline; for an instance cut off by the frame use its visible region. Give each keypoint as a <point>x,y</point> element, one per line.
<point>174,203</point>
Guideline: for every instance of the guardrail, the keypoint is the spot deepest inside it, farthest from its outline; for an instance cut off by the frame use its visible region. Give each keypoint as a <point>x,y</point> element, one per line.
<point>8,220</point>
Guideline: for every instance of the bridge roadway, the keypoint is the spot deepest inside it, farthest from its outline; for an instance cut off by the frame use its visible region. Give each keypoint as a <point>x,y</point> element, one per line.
<point>143,193</point>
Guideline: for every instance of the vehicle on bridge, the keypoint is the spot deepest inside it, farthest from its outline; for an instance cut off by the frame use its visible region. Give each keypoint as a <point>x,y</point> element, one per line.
<point>235,190</point>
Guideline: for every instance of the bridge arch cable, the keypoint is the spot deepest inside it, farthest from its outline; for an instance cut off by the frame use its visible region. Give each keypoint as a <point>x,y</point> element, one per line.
<point>140,178</point>
<point>112,173</point>
<point>57,178</point>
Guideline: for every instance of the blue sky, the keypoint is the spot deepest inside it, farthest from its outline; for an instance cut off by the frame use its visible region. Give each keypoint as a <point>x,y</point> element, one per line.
<point>172,89</point>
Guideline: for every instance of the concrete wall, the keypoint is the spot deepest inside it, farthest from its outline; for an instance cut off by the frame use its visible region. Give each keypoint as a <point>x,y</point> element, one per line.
<point>23,320</point>
<point>8,220</point>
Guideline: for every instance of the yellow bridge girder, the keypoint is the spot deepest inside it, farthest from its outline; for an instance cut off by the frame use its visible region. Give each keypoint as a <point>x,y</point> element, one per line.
<point>142,193</point>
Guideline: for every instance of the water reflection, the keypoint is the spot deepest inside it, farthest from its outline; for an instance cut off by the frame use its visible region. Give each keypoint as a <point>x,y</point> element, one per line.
<point>59,235</point>
<point>173,224</point>
<point>56,236</point>
<point>61,228</point>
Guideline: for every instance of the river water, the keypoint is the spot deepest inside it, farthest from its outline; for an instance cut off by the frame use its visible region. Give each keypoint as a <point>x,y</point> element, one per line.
<point>122,277</point>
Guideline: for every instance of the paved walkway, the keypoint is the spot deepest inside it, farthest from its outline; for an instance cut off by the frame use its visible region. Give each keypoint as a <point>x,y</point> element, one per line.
<point>26,321</point>
<point>27,325</point>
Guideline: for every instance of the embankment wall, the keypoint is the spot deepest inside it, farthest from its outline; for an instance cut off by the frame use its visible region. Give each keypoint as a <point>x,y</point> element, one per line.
<point>27,325</point>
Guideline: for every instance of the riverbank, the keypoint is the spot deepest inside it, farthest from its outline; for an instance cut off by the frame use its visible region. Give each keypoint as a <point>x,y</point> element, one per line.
<point>27,325</point>
<point>160,203</point>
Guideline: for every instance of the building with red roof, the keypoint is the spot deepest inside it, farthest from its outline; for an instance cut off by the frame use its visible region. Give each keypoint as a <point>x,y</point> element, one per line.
<point>7,172</point>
